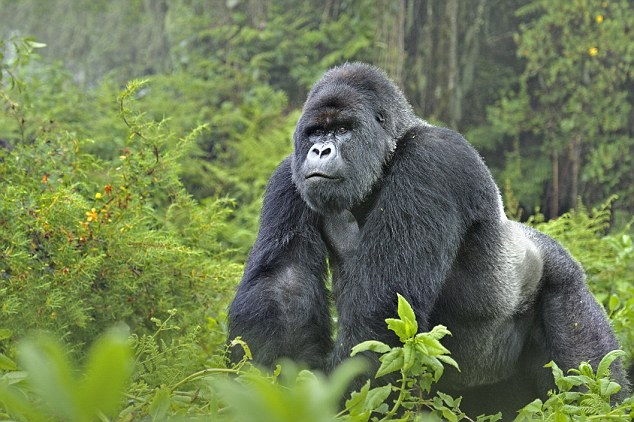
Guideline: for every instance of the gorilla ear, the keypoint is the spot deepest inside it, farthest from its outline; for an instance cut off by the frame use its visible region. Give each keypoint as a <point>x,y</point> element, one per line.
<point>380,118</point>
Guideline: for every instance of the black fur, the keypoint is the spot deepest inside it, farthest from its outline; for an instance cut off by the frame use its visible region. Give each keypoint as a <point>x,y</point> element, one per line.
<point>398,205</point>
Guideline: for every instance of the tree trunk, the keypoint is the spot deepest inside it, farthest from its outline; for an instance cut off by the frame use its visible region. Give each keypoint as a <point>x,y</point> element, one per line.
<point>453,83</point>
<point>554,199</point>
<point>575,163</point>
<point>392,36</point>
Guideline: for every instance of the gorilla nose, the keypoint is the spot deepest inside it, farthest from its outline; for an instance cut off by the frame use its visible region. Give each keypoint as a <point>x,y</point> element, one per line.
<point>322,152</point>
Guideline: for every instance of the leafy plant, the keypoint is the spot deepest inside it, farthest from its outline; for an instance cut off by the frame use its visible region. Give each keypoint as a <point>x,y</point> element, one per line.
<point>582,395</point>
<point>94,394</point>
<point>89,242</point>
<point>419,360</point>
<point>162,389</point>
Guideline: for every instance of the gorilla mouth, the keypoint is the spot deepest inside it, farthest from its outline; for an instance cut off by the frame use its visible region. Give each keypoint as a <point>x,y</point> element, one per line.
<point>319,175</point>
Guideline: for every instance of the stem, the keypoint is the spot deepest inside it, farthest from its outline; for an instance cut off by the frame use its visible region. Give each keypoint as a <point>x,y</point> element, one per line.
<point>399,400</point>
<point>618,417</point>
<point>202,373</point>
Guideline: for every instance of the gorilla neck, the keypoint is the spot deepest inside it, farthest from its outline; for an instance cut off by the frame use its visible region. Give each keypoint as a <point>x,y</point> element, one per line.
<point>362,209</point>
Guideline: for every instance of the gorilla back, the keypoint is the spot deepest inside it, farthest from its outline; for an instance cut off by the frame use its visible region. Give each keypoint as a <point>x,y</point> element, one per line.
<point>397,205</point>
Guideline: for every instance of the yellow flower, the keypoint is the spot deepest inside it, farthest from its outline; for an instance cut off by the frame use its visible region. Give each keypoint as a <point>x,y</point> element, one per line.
<point>98,195</point>
<point>593,51</point>
<point>92,215</point>
<point>599,18</point>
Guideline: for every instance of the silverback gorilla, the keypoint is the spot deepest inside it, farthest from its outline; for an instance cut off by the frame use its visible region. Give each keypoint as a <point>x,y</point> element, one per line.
<point>389,203</point>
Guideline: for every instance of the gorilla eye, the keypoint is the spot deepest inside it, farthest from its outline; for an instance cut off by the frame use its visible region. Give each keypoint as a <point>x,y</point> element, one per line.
<point>318,132</point>
<point>341,130</point>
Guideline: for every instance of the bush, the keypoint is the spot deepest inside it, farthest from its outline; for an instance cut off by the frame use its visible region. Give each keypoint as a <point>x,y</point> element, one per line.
<point>288,394</point>
<point>88,242</point>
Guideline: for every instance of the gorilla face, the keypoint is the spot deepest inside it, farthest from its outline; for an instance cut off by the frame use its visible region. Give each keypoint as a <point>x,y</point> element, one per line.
<point>341,148</point>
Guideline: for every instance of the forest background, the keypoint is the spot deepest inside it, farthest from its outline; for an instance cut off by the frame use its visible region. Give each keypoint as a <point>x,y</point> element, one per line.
<point>134,201</point>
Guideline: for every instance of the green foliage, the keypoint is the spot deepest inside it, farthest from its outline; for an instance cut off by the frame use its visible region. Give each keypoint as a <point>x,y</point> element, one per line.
<point>50,377</point>
<point>572,102</point>
<point>290,395</point>
<point>583,395</point>
<point>88,242</point>
<point>420,363</point>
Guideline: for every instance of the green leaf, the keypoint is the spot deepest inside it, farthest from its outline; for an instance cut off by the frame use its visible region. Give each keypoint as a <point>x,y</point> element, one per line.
<point>5,333</point>
<point>390,362</point>
<point>14,377</point>
<point>446,398</point>
<point>376,397</point>
<point>108,368</point>
<point>435,365</point>
<point>576,380</point>
<point>370,345</point>
<point>7,364</point>
<point>613,303</point>
<point>35,44</point>
<point>449,415</point>
<point>534,406</point>
<point>160,404</point>
<point>409,355</point>
<point>399,327</point>
<point>406,314</point>
<point>604,366</point>
<point>438,332</point>
<point>306,377</point>
<point>490,418</point>
<point>51,376</point>
<point>433,347</point>
<point>354,404</point>
<point>608,388</point>
<point>16,402</point>
<point>448,360</point>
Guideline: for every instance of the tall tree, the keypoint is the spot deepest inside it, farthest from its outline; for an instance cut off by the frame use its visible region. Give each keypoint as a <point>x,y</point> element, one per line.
<point>573,103</point>
<point>442,44</point>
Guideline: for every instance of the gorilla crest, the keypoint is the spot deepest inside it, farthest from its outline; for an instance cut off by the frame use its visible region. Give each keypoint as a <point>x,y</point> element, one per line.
<point>391,204</point>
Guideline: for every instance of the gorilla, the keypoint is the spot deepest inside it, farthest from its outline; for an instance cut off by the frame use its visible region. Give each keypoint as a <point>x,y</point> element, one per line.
<point>386,203</point>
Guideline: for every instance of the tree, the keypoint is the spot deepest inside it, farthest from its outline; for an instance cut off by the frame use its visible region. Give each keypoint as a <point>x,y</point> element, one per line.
<point>573,104</point>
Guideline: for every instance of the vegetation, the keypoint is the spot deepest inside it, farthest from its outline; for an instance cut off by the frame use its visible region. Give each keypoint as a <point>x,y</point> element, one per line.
<point>127,208</point>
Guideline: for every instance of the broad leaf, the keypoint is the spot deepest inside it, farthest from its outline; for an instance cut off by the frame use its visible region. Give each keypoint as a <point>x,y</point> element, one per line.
<point>390,362</point>
<point>406,314</point>
<point>604,366</point>
<point>107,371</point>
<point>51,376</point>
<point>399,327</point>
<point>370,345</point>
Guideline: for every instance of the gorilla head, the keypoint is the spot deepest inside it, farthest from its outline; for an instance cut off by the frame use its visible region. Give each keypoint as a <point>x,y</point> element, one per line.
<point>348,130</point>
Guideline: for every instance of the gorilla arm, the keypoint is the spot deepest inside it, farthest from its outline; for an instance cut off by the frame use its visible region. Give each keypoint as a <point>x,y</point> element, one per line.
<point>281,306</point>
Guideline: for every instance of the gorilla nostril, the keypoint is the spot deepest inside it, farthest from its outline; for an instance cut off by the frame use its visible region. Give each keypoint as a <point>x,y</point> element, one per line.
<point>325,152</point>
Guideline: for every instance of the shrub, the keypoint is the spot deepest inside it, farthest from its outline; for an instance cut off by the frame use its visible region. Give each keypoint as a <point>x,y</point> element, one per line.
<point>87,242</point>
